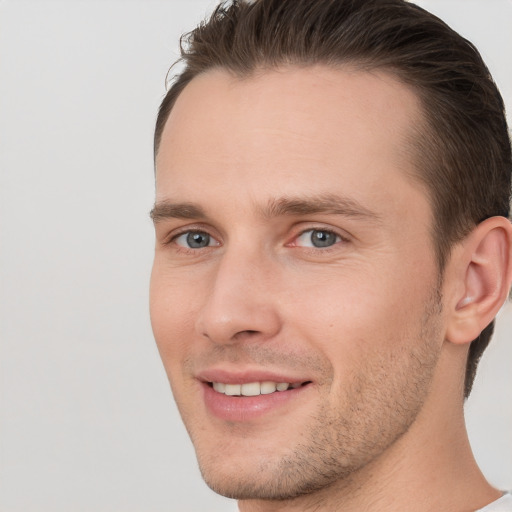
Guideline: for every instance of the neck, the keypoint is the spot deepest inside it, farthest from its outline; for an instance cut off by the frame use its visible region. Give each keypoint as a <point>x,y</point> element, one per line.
<point>430,468</point>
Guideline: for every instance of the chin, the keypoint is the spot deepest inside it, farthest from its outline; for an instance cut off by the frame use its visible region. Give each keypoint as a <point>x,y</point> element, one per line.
<point>256,485</point>
<point>272,473</point>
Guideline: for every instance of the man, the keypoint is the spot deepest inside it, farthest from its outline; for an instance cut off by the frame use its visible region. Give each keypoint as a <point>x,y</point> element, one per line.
<point>333,244</point>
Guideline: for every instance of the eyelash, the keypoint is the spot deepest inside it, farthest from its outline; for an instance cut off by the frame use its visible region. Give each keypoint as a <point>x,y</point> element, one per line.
<point>172,240</point>
<point>194,251</point>
<point>338,239</point>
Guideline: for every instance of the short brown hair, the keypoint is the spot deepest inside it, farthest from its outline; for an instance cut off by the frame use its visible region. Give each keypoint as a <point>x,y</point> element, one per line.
<point>463,149</point>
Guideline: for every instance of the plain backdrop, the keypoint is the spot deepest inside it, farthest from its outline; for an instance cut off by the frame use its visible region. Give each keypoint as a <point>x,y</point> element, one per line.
<point>87,421</point>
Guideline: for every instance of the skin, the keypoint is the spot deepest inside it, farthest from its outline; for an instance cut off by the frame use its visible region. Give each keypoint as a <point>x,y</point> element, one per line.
<point>365,320</point>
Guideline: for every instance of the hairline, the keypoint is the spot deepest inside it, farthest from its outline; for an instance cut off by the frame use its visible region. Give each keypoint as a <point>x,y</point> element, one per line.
<point>423,130</point>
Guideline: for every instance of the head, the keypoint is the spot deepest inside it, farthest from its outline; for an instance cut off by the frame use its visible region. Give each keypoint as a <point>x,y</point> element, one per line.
<point>462,148</point>
<point>444,158</point>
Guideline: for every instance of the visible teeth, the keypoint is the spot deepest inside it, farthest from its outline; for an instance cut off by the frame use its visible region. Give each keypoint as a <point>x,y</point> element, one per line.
<point>253,388</point>
<point>232,389</point>
<point>267,388</point>
<point>219,386</point>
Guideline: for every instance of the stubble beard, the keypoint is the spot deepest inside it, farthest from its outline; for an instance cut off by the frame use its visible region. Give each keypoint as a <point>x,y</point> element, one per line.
<point>379,405</point>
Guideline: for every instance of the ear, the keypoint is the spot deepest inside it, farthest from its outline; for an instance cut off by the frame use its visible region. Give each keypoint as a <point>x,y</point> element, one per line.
<point>481,272</point>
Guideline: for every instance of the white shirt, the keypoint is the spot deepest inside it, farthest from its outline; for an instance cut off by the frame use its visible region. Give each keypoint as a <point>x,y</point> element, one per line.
<point>503,504</point>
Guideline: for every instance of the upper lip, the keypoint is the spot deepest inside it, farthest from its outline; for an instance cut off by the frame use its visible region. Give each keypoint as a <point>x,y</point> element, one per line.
<point>247,376</point>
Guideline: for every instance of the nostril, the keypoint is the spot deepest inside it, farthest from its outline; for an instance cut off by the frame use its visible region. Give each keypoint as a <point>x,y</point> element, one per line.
<point>247,333</point>
<point>226,319</point>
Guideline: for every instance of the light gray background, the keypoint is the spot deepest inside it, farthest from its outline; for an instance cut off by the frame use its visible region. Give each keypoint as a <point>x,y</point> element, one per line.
<point>86,416</point>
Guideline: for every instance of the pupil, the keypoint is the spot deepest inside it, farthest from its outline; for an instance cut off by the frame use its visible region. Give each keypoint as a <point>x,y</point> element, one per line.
<point>322,238</point>
<point>197,240</point>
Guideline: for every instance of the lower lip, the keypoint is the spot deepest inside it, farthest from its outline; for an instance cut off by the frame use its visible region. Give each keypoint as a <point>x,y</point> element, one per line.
<point>248,408</point>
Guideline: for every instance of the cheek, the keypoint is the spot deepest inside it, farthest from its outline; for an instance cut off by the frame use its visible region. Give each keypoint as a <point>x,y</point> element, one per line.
<point>172,311</point>
<point>343,302</point>
<point>350,317</point>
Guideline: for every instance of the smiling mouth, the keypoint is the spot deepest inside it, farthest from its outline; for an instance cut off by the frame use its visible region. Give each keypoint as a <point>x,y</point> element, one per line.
<point>254,388</point>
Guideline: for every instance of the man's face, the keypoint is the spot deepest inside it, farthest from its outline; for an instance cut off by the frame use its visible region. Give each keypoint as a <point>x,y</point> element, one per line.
<point>293,251</point>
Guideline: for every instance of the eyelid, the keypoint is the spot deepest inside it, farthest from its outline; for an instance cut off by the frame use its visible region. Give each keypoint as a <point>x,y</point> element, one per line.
<point>342,235</point>
<point>300,230</point>
<point>195,231</point>
<point>190,228</point>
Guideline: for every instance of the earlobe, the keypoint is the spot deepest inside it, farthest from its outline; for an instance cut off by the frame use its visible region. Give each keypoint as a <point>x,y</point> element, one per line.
<point>485,270</point>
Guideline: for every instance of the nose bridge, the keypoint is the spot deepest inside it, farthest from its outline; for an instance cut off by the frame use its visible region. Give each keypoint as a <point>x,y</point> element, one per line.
<point>240,298</point>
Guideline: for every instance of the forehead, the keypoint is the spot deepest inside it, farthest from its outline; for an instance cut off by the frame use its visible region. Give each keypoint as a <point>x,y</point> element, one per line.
<point>290,129</point>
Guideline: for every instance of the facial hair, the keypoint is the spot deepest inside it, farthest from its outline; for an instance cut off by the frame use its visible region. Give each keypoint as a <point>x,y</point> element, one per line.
<point>377,404</point>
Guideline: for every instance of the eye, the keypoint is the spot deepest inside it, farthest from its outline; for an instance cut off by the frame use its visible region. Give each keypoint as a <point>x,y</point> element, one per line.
<point>318,238</point>
<point>195,240</point>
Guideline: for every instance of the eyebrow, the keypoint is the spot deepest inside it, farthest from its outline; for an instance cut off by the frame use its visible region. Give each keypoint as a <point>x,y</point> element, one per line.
<point>167,210</point>
<point>329,204</point>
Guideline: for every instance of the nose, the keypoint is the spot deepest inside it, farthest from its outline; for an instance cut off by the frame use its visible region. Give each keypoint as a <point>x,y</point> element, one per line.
<point>241,302</point>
